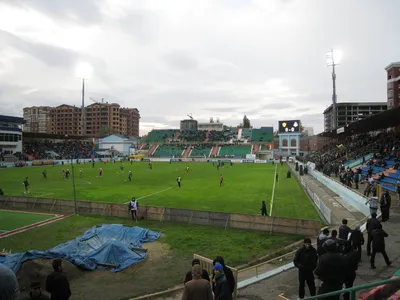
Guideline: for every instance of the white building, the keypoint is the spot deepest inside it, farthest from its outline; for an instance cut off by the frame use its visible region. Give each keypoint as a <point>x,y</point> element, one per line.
<point>10,134</point>
<point>210,126</point>
<point>118,145</point>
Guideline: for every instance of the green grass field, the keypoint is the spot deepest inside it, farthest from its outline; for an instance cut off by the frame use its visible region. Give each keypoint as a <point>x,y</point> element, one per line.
<point>245,186</point>
<point>10,220</point>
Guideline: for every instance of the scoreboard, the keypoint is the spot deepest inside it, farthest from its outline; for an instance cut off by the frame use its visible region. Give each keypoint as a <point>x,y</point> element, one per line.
<point>291,126</point>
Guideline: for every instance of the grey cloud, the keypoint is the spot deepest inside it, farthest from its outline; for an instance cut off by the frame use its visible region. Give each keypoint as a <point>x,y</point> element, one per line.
<point>141,25</point>
<point>83,11</point>
<point>180,60</point>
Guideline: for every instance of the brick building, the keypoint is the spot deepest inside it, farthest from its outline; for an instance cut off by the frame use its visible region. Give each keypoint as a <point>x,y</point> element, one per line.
<point>393,85</point>
<point>100,119</point>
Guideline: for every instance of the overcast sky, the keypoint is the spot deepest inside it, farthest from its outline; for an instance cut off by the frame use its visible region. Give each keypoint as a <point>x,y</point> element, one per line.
<point>209,58</point>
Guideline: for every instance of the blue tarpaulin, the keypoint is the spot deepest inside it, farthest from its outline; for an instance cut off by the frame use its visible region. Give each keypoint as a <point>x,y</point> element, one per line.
<point>110,244</point>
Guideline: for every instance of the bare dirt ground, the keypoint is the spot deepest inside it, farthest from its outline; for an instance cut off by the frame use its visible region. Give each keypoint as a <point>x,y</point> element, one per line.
<point>162,270</point>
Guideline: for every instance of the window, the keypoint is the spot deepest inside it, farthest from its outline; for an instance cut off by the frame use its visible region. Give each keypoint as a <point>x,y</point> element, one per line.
<point>390,94</point>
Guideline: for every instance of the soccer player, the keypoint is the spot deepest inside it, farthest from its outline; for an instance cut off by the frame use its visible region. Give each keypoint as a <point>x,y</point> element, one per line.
<point>44,173</point>
<point>187,170</point>
<point>130,175</point>
<point>221,180</point>
<point>26,185</point>
<point>80,172</point>
<point>101,172</point>
<point>150,165</point>
<point>63,172</point>
<point>178,180</point>
<point>121,167</point>
<point>67,174</point>
<point>133,207</point>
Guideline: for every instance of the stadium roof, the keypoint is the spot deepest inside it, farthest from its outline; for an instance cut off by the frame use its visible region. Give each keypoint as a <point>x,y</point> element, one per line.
<point>11,119</point>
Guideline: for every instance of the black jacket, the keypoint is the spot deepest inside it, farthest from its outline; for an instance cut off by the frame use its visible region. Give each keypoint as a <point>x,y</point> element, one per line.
<point>221,289</point>
<point>344,231</point>
<point>357,238</point>
<point>332,268</point>
<point>228,273</point>
<point>352,259</point>
<point>378,239</point>
<point>189,277</point>
<point>57,285</point>
<point>372,224</point>
<point>322,238</point>
<point>306,259</point>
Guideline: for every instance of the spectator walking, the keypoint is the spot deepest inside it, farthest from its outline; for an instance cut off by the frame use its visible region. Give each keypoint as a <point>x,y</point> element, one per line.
<point>305,260</point>
<point>385,204</point>
<point>378,245</point>
<point>221,284</point>
<point>372,223</point>
<point>357,240</point>
<point>352,259</point>
<point>9,289</point>
<point>398,192</point>
<point>373,204</point>
<point>228,273</point>
<point>197,288</point>
<point>57,283</point>
<point>189,274</point>
<point>324,235</point>
<point>344,230</point>
<point>264,209</point>
<point>331,270</point>
<point>36,293</point>
<point>356,180</point>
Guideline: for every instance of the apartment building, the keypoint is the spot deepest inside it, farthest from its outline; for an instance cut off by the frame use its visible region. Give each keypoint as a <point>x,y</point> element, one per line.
<point>99,118</point>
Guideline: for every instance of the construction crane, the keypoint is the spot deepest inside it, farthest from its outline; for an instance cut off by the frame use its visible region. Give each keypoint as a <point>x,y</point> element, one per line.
<point>95,101</point>
<point>190,116</point>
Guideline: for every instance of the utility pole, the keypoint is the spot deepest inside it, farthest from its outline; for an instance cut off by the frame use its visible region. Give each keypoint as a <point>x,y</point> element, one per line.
<point>331,62</point>
<point>83,108</point>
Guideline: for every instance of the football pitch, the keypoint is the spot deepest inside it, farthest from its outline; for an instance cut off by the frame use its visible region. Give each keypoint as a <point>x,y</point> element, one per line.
<point>246,185</point>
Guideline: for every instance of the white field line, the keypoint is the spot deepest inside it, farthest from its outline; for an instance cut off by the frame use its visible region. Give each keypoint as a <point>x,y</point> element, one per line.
<point>44,194</point>
<point>151,194</point>
<point>29,212</point>
<point>271,206</point>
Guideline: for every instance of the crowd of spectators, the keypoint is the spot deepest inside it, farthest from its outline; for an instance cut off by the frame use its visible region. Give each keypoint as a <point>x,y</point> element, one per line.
<point>220,136</point>
<point>196,136</point>
<point>67,149</point>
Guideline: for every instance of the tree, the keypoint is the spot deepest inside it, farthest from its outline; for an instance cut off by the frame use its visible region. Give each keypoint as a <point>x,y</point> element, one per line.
<point>246,122</point>
<point>211,120</point>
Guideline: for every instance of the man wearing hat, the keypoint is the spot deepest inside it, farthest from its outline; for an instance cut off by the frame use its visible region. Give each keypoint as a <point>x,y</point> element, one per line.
<point>305,260</point>
<point>221,284</point>
<point>204,273</point>
<point>197,288</point>
<point>36,293</point>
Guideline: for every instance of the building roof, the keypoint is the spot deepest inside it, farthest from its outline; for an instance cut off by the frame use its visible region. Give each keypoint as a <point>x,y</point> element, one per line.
<point>393,65</point>
<point>356,104</point>
<point>11,119</point>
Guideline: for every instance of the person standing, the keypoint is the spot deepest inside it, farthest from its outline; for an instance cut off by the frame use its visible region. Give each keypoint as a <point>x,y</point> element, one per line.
<point>228,273</point>
<point>378,245</point>
<point>353,260</point>
<point>305,260</point>
<point>324,235</point>
<point>385,203</point>
<point>189,275</point>
<point>178,180</point>
<point>264,209</point>
<point>26,185</point>
<point>398,192</point>
<point>9,288</point>
<point>57,283</point>
<point>344,230</point>
<point>373,204</point>
<point>331,270</point>
<point>221,284</point>
<point>197,288</point>
<point>133,207</point>
<point>357,240</point>
<point>372,224</point>
<point>221,180</point>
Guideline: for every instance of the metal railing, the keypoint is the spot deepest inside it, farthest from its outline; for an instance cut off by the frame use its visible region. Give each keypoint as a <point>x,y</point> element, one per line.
<point>353,290</point>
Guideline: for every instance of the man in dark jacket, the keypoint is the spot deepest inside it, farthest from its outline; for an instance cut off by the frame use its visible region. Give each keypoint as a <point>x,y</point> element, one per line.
<point>344,230</point>
<point>57,283</point>
<point>353,259</point>
<point>221,284</point>
<point>324,235</point>
<point>378,245</point>
<point>331,269</point>
<point>204,273</point>
<point>357,240</point>
<point>305,260</point>
<point>228,273</point>
<point>372,224</point>
<point>385,203</point>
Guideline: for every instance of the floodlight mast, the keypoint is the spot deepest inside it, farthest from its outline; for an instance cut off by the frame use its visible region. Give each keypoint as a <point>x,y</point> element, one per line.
<point>331,62</point>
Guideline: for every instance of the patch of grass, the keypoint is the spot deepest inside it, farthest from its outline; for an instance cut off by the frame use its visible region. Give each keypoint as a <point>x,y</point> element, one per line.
<point>240,246</point>
<point>10,220</point>
<point>246,185</point>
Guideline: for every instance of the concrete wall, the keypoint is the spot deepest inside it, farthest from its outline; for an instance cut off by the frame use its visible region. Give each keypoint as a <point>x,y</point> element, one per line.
<point>227,220</point>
